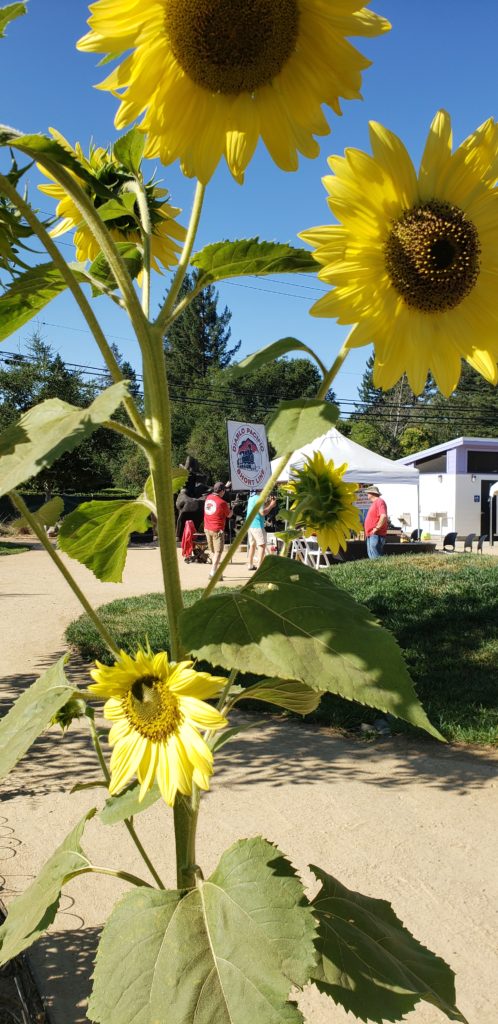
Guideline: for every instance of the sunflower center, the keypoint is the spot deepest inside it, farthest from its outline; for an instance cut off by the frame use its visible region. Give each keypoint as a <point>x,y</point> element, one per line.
<point>152,709</point>
<point>232,46</point>
<point>433,257</point>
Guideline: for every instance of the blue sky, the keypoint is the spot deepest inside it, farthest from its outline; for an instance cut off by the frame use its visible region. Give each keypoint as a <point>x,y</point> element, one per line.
<point>440,53</point>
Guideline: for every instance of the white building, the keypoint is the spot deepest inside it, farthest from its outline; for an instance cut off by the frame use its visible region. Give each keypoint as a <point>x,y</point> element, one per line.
<point>454,484</point>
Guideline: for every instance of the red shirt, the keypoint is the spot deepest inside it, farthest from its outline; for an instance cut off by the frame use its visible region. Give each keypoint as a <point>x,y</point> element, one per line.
<point>216,511</point>
<point>377,509</point>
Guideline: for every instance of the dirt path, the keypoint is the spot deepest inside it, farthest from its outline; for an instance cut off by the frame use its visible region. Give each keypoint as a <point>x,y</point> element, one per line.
<point>412,823</point>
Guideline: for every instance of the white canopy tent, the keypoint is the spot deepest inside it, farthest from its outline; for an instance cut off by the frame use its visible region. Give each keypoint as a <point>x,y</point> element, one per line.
<point>364,467</point>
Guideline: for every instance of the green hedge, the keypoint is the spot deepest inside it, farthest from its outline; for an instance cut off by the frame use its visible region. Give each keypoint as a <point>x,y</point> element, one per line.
<point>443,611</point>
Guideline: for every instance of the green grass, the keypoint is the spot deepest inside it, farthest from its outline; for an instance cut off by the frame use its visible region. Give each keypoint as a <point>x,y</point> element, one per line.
<point>442,610</point>
<point>6,548</point>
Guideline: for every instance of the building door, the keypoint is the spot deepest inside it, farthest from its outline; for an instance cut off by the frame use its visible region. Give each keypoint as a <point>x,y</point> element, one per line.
<point>485,507</point>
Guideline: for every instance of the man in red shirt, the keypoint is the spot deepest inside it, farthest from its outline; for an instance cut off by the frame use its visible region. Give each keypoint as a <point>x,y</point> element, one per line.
<point>216,513</point>
<point>375,523</point>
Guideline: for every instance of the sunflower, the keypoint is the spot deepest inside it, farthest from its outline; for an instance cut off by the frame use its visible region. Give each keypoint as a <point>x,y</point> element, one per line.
<point>167,235</point>
<point>157,708</point>
<point>212,76</point>
<point>323,503</point>
<point>414,261</point>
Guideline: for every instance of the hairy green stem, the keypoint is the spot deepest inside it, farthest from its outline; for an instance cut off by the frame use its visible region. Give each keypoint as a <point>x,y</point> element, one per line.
<point>334,370</point>
<point>120,428</point>
<point>159,422</point>
<point>78,295</point>
<point>185,818</point>
<point>163,319</point>
<point>128,824</point>
<point>39,532</point>
<point>123,875</point>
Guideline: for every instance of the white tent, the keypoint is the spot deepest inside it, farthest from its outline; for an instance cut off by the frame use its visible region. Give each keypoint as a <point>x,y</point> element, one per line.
<point>364,466</point>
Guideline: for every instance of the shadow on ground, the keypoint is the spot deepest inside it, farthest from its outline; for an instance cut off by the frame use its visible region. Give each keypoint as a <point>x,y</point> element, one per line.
<point>58,956</point>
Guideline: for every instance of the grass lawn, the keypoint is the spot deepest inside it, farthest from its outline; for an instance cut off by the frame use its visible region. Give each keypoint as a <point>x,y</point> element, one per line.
<point>443,611</point>
<point>7,548</point>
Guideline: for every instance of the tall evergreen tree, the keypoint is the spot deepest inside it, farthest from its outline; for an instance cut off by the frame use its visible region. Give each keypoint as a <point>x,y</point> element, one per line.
<point>385,416</point>
<point>198,341</point>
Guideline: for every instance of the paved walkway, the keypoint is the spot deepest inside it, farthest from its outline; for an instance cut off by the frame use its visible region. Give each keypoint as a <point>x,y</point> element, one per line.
<point>415,823</point>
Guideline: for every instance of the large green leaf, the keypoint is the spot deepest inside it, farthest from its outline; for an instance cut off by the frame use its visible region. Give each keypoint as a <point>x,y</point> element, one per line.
<point>39,146</point>
<point>370,963</point>
<point>46,515</point>
<point>8,14</point>
<point>131,256</point>
<point>127,805</point>
<point>32,912</point>
<point>97,535</point>
<point>228,952</point>
<point>290,621</point>
<point>129,150</point>
<point>300,421</point>
<point>31,714</point>
<point>48,430</point>
<point>250,256</point>
<point>28,294</point>
<point>268,354</point>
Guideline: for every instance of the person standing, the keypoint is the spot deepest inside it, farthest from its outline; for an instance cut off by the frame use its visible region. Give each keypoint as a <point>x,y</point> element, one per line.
<point>375,523</point>
<point>256,537</point>
<point>216,513</point>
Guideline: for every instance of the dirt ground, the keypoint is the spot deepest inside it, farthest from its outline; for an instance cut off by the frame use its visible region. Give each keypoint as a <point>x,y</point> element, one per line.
<point>412,822</point>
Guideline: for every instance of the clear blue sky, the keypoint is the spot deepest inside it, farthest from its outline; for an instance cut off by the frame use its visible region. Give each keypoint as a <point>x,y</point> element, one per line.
<point>440,53</point>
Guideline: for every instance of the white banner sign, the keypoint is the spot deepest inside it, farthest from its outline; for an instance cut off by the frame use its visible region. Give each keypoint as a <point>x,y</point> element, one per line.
<point>248,451</point>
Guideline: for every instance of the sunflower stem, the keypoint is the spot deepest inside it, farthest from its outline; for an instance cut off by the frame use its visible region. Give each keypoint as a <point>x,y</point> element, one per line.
<point>124,875</point>
<point>185,818</point>
<point>159,423</point>
<point>120,428</point>
<point>39,532</point>
<point>163,319</point>
<point>334,370</point>
<point>78,295</point>
<point>128,822</point>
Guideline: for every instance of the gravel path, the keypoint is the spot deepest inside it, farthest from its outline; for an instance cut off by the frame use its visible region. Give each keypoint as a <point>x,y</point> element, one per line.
<point>415,823</point>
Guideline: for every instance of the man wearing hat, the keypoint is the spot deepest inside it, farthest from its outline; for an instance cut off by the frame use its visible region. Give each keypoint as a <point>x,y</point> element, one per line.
<point>375,523</point>
<point>216,513</point>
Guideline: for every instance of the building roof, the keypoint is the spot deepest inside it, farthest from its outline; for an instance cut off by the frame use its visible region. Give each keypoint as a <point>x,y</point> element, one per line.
<point>456,442</point>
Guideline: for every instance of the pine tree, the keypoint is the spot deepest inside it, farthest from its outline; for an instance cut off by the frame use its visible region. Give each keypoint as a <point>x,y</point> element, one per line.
<point>385,416</point>
<point>198,340</point>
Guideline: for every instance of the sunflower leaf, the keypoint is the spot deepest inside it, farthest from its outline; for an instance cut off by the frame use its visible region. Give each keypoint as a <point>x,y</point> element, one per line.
<point>124,206</point>
<point>46,515</point>
<point>296,423</point>
<point>228,951</point>
<point>292,622</point>
<point>48,430</point>
<point>370,963</point>
<point>131,256</point>
<point>31,714</point>
<point>268,355</point>
<point>250,256</point>
<point>8,14</point>
<point>127,805</point>
<point>129,150</point>
<point>97,534</point>
<point>27,295</point>
<point>40,146</point>
<point>32,912</point>
<point>285,693</point>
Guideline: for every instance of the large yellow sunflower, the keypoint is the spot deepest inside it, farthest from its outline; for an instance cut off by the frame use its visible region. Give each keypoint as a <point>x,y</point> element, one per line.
<point>167,235</point>
<point>157,708</point>
<point>322,503</point>
<point>414,261</point>
<point>212,76</point>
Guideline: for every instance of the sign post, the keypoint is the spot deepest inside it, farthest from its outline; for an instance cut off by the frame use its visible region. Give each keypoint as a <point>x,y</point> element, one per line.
<point>248,451</point>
